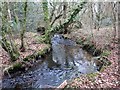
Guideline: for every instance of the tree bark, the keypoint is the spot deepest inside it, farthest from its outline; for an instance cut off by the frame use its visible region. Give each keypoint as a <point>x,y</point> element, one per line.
<point>113,5</point>
<point>22,47</point>
<point>7,44</point>
<point>64,16</point>
<point>46,19</point>
<point>68,21</point>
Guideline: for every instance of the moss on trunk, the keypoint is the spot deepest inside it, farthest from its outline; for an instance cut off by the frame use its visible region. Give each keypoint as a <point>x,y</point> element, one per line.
<point>7,41</point>
<point>58,28</point>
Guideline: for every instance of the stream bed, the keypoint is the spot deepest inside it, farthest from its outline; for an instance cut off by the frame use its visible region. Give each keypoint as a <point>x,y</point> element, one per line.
<point>66,61</point>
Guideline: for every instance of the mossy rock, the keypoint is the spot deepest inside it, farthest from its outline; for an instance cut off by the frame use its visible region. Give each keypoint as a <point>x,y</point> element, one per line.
<point>103,58</point>
<point>106,64</point>
<point>16,67</point>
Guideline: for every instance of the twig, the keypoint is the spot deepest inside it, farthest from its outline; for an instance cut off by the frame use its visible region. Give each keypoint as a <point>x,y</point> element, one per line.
<point>55,19</point>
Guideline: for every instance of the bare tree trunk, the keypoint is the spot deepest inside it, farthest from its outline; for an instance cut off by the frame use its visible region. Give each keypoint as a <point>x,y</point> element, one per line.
<point>7,44</point>
<point>118,23</point>
<point>114,12</point>
<point>95,23</point>
<point>46,19</point>
<point>69,20</point>
<point>91,21</point>
<point>98,15</point>
<point>118,20</point>
<point>64,15</point>
<point>22,47</point>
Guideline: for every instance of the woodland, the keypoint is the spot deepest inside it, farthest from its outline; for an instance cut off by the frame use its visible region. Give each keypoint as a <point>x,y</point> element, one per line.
<point>26,32</point>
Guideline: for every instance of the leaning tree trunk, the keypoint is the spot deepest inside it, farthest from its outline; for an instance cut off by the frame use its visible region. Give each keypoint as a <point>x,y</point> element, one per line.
<point>7,44</point>
<point>22,47</point>
<point>69,20</point>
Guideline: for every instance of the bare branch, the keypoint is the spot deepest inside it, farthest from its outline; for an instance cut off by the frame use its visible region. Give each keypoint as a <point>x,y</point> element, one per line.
<point>55,19</point>
<point>52,13</point>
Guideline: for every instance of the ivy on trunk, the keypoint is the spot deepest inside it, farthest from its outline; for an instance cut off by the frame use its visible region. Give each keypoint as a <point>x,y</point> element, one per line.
<point>58,28</point>
<point>46,19</point>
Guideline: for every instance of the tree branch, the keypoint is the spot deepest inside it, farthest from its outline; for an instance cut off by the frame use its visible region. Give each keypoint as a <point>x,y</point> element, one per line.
<point>55,19</point>
<point>69,20</point>
<point>52,13</point>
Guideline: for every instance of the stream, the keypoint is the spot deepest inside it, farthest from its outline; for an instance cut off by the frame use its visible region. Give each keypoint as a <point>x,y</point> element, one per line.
<point>66,61</point>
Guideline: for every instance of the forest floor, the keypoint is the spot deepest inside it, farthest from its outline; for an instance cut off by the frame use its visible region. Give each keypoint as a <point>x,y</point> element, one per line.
<point>109,77</point>
<point>103,38</point>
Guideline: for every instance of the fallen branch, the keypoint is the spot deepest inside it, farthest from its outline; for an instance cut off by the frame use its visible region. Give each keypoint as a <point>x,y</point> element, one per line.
<point>62,85</point>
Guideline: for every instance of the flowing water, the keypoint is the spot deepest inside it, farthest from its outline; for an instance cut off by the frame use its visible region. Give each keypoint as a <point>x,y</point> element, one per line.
<point>66,61</point>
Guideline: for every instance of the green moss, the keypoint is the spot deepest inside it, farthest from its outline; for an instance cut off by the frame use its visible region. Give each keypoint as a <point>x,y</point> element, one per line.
<point>103,68</point>
<point>106,53</point>
<point>40,39</point>
<point>28,58</point>
<point>44,51</point>
<point>15,67</point>
<point>91,75</point>
<point>80,41</point>
<point>37,54</point>
<point>78,79</point>
<point>68,87</point>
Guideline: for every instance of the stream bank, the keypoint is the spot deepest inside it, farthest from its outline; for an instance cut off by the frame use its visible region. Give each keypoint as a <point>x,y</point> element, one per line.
<point>108,77</point>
